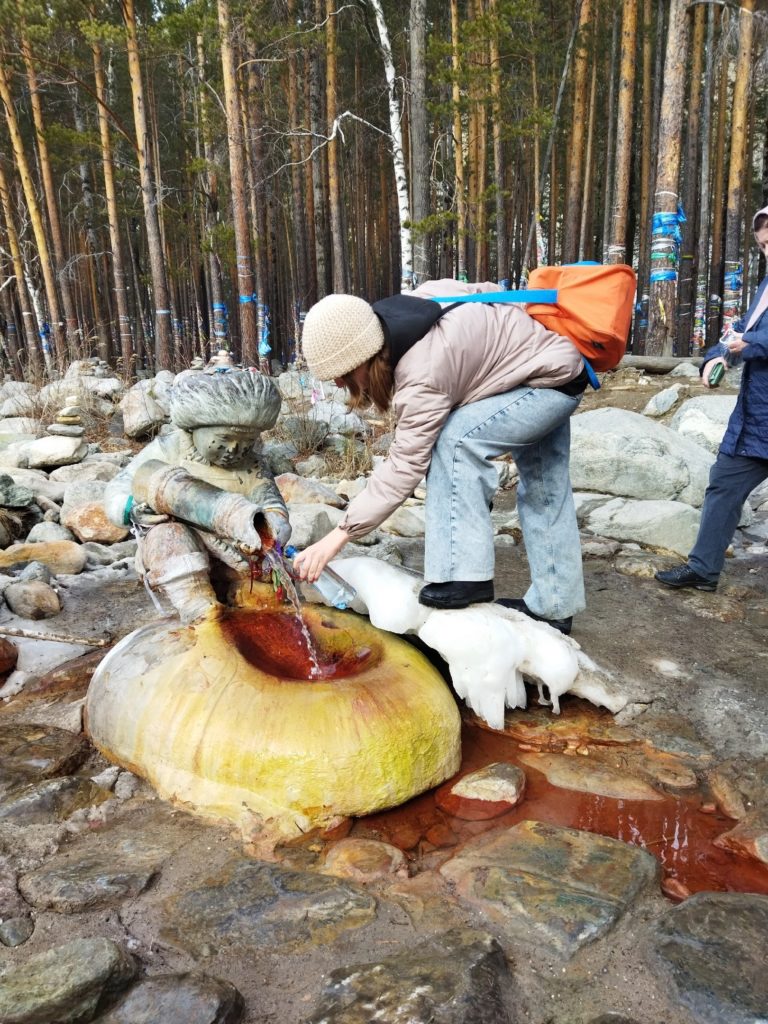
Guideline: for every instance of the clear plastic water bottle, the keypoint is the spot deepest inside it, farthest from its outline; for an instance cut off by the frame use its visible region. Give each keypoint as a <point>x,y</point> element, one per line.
<point>332,588</point>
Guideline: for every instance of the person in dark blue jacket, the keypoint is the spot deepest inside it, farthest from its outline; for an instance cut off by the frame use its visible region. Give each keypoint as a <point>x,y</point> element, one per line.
<point>742,461</point>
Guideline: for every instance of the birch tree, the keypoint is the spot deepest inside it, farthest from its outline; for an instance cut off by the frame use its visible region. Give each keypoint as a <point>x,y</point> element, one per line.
<point>396,145</point>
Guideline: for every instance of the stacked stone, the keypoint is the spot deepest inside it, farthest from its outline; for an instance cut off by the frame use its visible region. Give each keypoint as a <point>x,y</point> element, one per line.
<point>68,422</point>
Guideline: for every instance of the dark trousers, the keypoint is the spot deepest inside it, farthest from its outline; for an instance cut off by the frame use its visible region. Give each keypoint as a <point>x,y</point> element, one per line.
<point>731,479</point>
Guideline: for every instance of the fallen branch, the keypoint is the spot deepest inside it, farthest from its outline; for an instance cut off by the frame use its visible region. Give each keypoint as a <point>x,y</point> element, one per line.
<point>58,638</point>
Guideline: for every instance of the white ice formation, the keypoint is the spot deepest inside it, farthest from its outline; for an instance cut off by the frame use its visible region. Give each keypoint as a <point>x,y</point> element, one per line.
<point>488,648</point>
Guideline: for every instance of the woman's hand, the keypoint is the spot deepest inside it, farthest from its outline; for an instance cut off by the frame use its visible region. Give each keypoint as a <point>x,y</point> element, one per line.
<point>736,343</point>
<point>310,562</point>
<point>709,367</point>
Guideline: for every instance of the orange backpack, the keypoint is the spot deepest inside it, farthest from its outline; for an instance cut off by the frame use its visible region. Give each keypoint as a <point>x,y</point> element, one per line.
<point>593,308</point>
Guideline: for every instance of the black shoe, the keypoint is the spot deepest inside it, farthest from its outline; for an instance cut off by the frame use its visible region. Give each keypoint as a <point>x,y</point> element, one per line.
<point>458,594</point>
<point>519,605</point>
<point>684,576</point>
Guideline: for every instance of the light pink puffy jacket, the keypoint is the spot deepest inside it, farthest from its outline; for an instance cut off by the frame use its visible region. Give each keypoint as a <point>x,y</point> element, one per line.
<point>475,351</point>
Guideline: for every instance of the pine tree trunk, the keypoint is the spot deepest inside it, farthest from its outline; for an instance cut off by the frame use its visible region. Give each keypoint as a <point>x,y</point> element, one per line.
<point>586,246</point>
<point>210,184</point>
<point>161,294</point>
<point>91,242</point>
<point>338,241</point>
<point>302,292</point>
<point>734,225</point>
<point>319,165</point>
<point>715,302</point>
<point>699,333</point>
<point>575,172</point>
<point>38,228</point>
<point>647,136</point>
<point>245,277</point>
<point>610,154</point>
<point>73,332</point>
<point>125,326</point>
<point>690,205</point>
<point>617,252</point>
<point>665,251</point>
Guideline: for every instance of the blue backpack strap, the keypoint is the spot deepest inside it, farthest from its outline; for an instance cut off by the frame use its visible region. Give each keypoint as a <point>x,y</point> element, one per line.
<point>548,295</point>
<point>544,295</point>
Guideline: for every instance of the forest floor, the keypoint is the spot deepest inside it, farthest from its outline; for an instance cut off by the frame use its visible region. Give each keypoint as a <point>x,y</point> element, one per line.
<point>695,667</point>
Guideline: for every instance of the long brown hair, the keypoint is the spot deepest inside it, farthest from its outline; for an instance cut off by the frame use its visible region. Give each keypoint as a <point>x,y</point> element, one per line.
<point>380,386</point>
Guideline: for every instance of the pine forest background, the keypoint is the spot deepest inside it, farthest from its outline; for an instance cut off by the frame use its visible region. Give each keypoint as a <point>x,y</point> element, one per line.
<point>176,177</point>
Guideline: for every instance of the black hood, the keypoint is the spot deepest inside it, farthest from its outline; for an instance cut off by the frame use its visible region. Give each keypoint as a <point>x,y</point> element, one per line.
<point>405,319</point>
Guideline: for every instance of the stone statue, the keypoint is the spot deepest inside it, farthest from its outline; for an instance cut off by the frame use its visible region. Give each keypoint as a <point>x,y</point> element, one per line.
<point>203,489</point>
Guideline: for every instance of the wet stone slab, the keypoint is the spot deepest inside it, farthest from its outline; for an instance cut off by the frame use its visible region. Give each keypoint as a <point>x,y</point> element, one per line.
<point>713,947</point>
<point>49,800</point>
<point>64,985</point>
<point>558,888</point>
<point>460,977</point>
<point>177,999</point>
<point>30,752</point>
<point>70,883</point>
<point>262,906</point>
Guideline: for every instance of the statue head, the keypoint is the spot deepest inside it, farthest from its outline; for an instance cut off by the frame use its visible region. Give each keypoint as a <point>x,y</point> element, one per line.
<point>224,412</point>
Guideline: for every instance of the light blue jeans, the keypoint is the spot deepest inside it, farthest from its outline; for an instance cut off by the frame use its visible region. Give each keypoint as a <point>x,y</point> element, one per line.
<point>532,425</point>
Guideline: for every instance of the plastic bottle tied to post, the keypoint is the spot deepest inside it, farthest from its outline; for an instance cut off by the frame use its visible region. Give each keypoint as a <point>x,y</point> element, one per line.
<point>331,587</point>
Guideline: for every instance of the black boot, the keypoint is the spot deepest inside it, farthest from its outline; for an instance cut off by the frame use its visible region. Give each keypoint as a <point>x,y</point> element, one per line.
<point>684,576</point>
<point>457,594</point>
<point>519,605</point>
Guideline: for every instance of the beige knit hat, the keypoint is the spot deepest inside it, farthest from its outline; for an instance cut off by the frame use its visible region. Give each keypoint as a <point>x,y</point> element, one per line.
<point>341,332</point>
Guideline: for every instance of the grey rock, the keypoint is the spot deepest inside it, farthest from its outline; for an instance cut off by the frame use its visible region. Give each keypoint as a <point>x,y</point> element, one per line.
<point>253,905</point>
<point>689,370</point>
<point>279,456</point>
<point>91,468</point>
<point>662,402</point>
<point>53,451</point>
<point>14,931</point>
<point>108,554</point>
<point>703,419</point>
<point>36,571</point>
<point>178,999</point>
<point>20,426</point>
<point>460,977</point>
<point>64,985</point>
<point>38,482</point>
<point>668,525</point>
<point>558,888</point>
<point>631,456</point>
<point>69,885</point>
<point>32,600</point>
<point>126,785</point>
<point>47,531</point>
<point>82,492</point>
<point>712,946</point>
<point>13,495</point>
<point>313,466</point>
<point>65,430</point>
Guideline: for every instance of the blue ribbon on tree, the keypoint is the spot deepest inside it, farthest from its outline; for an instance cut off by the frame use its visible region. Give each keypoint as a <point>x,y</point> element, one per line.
<point>669,224</point>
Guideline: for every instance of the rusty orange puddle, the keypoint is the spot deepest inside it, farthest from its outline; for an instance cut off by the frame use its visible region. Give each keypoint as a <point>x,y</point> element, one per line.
<point>674,829</point>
